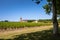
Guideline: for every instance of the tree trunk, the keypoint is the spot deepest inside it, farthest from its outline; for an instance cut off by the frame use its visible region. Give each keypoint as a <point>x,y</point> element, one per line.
<point>55,22</point>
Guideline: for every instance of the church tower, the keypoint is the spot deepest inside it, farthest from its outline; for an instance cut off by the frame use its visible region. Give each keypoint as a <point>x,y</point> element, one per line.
<point>20,19</point>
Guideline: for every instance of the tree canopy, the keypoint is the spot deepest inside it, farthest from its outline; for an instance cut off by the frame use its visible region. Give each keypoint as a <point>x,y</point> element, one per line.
<point>48,6</point>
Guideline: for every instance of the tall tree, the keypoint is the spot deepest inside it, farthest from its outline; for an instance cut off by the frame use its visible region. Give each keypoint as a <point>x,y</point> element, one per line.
<point>53,7</point>
<point>55,22</point>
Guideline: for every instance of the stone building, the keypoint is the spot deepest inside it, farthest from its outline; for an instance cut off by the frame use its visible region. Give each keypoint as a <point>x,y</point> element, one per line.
<point>21,20</point>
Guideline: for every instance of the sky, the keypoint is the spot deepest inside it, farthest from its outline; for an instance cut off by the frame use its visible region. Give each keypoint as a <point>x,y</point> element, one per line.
<point>12,10</point>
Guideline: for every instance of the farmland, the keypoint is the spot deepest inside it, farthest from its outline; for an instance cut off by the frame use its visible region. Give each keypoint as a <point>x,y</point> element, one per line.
<point>5,25</point>
<point>12,25</point>
<point>29,30</point>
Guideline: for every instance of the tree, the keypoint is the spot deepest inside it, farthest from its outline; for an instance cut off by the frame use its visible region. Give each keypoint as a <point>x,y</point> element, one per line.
<point>55,22</point>
<point>6,21</point>
<point>52,6</point>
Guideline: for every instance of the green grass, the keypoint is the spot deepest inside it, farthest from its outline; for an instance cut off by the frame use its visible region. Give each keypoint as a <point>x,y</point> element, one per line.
<point>6,25</point>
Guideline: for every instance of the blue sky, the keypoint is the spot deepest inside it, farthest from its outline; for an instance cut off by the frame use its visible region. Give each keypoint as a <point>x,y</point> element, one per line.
<point>12,10</point>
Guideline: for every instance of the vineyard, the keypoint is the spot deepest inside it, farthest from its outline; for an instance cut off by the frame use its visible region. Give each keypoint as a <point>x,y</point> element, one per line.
<point>31,26</point>
<point>5,25</point>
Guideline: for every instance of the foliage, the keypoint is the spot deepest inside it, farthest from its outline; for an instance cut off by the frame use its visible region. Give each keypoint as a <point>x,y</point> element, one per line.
<point>6,21</point>
<point>30,20</point>
<point>45,21</point>
<point>48,6</point>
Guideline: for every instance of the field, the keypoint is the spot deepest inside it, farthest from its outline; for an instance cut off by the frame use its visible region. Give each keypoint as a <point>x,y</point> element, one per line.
<point>26,31</point>
<point>40,33</point>
<point>11,34</point>
<point>5,25</point>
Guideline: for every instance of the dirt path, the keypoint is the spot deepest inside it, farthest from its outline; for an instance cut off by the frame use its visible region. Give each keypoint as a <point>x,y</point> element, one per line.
<point>11,33</point>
